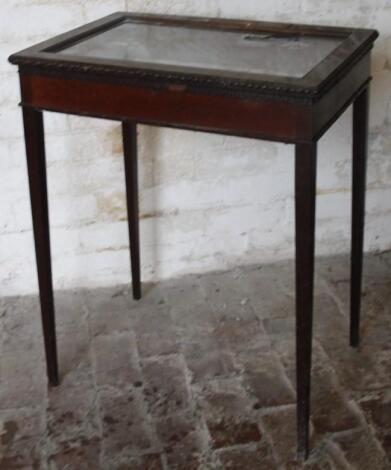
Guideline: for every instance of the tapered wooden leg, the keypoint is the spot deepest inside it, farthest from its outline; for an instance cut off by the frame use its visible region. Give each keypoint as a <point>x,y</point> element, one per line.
<point>305,192</point>
<point>35,151</point>
<point>360,149</point>
<point>129,134</point>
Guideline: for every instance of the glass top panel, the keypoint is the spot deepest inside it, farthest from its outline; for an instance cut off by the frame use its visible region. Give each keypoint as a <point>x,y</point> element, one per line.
<point>236,52</point>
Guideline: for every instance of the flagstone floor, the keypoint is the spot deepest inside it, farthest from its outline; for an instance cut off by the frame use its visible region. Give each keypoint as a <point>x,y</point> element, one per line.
<point>199,374</point>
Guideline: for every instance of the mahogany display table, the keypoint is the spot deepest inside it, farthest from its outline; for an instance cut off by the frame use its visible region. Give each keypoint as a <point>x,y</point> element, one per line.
<point>281,82</point>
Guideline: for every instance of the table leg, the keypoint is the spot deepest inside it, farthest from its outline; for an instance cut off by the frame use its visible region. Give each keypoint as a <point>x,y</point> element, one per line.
<point>129,135</point>
<point>36,165</point>
<point>305,194</point>
<point>360,144</point>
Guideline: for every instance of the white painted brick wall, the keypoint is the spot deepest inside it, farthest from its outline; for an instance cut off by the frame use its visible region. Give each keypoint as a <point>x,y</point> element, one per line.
<point>207,202</point>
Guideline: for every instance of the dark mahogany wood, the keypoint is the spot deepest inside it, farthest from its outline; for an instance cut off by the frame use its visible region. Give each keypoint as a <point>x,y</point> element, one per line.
<point>129,135</point>
<point>171,107</point>
<point>295,109</point>
<point>305,192</point>
<point>360,150</point>
<point>35,151</point>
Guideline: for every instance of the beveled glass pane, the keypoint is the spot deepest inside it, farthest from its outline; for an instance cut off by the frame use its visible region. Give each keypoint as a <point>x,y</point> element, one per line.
<point>289,56</point>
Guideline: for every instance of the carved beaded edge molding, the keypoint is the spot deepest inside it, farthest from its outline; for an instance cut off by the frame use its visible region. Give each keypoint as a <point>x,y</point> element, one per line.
<point>163,79</point>
<point>225,86</point>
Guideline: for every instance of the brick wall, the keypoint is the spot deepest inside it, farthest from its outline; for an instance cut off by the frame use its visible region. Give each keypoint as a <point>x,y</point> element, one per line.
<point>207,202</point>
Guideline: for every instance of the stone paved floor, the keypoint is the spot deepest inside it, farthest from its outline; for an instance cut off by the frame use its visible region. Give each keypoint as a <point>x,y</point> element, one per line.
<point>198,375</point>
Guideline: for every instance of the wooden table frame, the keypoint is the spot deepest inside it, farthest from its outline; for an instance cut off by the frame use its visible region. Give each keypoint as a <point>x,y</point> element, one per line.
<point>297,111</point>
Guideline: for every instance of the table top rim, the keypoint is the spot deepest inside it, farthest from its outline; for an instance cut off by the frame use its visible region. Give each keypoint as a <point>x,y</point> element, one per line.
<point>43,57</point>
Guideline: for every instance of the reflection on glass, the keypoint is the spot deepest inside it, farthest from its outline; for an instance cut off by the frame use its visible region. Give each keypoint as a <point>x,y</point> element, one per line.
<point>236,52</point>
